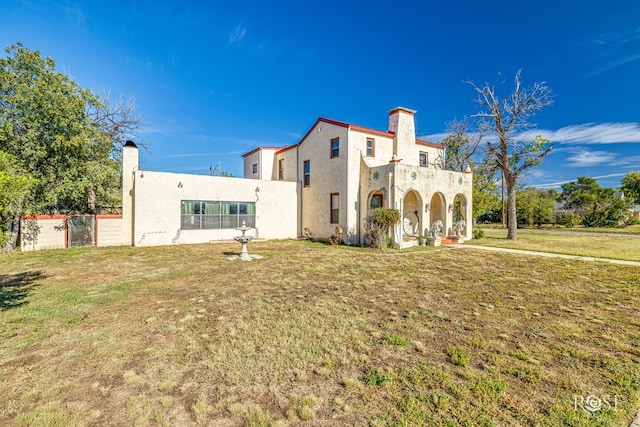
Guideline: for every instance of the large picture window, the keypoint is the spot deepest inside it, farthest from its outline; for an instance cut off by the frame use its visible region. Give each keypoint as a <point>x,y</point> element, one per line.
<point>212,215</point>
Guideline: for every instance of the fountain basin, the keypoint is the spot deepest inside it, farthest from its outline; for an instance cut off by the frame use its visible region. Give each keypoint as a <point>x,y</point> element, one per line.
<point>243,240</point>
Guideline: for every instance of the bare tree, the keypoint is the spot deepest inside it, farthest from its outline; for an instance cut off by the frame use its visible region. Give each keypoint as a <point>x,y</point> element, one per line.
<point>505,118</point>
<point>118,119</point>
<point>462,145</point>
<point>464,150</point>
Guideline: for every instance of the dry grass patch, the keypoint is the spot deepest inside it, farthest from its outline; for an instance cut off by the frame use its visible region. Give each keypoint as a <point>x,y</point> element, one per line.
<point>582,244</point>
<point>314,334</point>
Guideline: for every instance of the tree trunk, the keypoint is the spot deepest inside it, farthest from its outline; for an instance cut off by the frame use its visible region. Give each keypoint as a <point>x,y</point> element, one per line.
<point>512,217</point>
<point>11,235</point>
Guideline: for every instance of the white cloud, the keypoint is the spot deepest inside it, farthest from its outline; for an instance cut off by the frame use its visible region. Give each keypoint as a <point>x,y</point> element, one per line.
<point>586,158</point>
<point>237,35</point>
<point>589,133</point>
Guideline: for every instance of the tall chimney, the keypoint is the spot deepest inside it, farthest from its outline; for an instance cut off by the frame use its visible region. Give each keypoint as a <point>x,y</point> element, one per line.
<point>402,124</point>
<point>129,166</point>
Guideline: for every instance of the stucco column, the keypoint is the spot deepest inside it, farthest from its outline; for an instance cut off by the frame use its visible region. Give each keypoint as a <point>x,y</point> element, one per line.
<point>129,166</point>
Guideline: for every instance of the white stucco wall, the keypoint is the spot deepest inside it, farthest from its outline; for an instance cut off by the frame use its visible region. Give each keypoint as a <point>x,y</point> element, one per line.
<point>328,175</point>
<point>108,230</point>
<point>264,158</point>
<point>290,158</point>
<point>42,232</point>
<point>157,206</point>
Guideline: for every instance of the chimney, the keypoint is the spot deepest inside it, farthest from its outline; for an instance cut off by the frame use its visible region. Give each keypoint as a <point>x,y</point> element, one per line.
<point>129,166</point>
<point>401,123</point>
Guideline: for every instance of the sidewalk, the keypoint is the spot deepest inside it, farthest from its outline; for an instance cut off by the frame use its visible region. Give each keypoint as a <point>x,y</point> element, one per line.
<point>548,254</point>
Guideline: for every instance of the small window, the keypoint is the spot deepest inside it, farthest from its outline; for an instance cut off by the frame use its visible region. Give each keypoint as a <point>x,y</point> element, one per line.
<point>281,169</point>
<point>335,147</point>
<point>307,173</point>
<point>376,201</point>
<point>371,147</point>
<point>335,208</point>
<point>255,168</point>
<point>423,159</point>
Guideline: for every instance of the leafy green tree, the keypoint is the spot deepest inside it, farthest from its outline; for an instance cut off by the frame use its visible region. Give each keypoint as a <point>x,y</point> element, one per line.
<point>631,186</point>
<point>15,190</point>
<point>595,205</point>
<point>58,133</point>
<point>505,117</point>
<point>536,207</point>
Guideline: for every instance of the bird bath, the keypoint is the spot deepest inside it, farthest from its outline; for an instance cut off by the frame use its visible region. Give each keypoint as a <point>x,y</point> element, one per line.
<point>244,239</point>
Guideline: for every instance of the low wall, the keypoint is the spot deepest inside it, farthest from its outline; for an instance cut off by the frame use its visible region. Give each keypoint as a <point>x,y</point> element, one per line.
<point>109,230</point>
<point>38,232</point>
<point>41,232</point>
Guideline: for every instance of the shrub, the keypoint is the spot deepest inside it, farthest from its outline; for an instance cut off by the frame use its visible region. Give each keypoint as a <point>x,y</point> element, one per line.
<point>377,224</point>
<point>478,233</point>
<point>569,219</point>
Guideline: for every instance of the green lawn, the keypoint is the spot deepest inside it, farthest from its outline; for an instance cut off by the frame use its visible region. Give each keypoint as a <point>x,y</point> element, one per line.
<point>315,335</point>
<point>616,247</point>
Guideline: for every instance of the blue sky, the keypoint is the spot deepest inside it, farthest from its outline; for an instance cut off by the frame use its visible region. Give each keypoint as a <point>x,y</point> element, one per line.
<point>217,79</point>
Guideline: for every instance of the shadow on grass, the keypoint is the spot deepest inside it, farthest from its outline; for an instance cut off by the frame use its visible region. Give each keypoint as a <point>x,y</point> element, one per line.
<point>15,288</point>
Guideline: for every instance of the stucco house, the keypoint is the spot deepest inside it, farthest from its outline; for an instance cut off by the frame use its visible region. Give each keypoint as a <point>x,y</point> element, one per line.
<point>343,170</point>
<point>322,186</point>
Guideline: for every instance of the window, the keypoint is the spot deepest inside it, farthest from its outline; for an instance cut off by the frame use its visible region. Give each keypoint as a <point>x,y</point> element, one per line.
<point>307,173</point>
<point>371,147</point>
<point>335,147</point>
<point>255,168</point>
<point>335,208</point>
<point>423,159</point>
<point>376,201</point>
<point>281,169</point>
<point>210,215</point>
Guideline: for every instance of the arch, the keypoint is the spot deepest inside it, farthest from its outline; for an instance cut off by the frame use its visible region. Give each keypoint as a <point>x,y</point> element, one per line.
<point>438,210</point>
<point>459,215</point>
<point>375,200</point>
<point>411,213</point>
<point>459,208</point>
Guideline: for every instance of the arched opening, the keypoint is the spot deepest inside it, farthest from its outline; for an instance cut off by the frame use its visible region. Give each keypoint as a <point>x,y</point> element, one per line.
<point>459,215</point>
<point>438,210</point>
<point>376,200</point>
<point>459,208</point>
<point>411,214</point>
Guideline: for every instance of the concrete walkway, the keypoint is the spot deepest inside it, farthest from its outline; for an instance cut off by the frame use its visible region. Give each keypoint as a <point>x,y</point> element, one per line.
<point>548,254</point>
<point>566,231</point>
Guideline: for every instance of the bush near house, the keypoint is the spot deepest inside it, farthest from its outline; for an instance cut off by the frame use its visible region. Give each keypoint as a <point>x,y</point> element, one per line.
<point>378,222</point>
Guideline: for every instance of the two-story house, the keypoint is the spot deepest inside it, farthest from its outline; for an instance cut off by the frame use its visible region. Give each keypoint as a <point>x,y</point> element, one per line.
<point>343,170</point>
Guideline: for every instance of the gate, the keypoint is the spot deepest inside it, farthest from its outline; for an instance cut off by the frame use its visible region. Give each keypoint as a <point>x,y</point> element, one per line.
<point>81,230</point>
